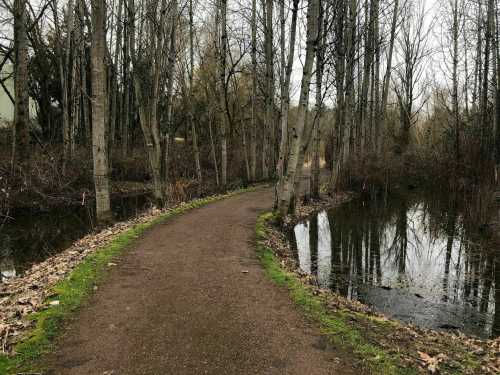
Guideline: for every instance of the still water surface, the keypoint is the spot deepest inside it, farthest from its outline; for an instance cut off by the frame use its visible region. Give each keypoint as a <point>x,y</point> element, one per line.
<point>30,236</point>
<point>414,259</point>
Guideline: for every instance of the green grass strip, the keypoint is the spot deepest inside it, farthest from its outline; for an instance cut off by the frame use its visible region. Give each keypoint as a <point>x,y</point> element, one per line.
<point>72,291</point>
<point>334,324</point>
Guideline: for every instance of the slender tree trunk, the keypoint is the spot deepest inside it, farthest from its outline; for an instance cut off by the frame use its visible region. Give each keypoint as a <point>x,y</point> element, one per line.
<point>476,93</point>
<point>466,70</point>
<point>348,140</point>
<point>222,20</point>
<point>388,71</point>
<point>21,139</point>
<point>340,63</point>
<point>84,95</point>
<point>376,84</point>
<point>148,94</point>
<point>245,150</point>
<point>99,145</point>
<point>485,125</point>
<point>367,66</point>
<point>454,94</point>
<point>253,126</point>
<point>169,137</point>
<point>212,149</point>
<point>496,83</point>
<point>297,129</point>
<point>68,64</point>
<point>317,132</point>
<point>114,84</point>
<point>125,116</point>
<point>285,88</point>
<point>284,125</point>
<point>267,145</point>
<point>196,150</point>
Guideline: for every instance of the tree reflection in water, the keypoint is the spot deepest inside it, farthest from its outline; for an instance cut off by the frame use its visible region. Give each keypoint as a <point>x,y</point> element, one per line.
<point>416,259</point>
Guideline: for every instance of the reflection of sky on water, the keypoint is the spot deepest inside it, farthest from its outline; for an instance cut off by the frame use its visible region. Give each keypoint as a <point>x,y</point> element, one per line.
<point>324,250</point>
<point>302,237</point>
<point>405,262</point>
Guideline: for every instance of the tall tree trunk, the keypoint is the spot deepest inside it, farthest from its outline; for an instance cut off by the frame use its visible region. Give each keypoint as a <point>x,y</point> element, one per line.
<point>317,132</point>
<point>454,94</point>
<point>285,87</point>
<point>496,83</point>
<point>340,64</point>
<point>388,72</point>
<point>245,149</point>
<point>84,94</point>
<point>297,129</point>
<point>115,92</point>
<point>484,123</point>
<point>376,85</point>
<point>267,144</point>
<point>99,145</point>
<point>212,149</point>
<point>68,64</point>
<point>367,66</point>
<point>348,140</point>
<point>147,94</point>
<point>125,115</point>
<point>196,150</point>
<point>253,126</point>
<point>21,139</point>
<point>169,137</point>
<point>222,20</point>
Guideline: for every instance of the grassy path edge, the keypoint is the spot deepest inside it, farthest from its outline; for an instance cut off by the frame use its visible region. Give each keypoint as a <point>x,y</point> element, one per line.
<point>333,324</point>
<point>75,289</point>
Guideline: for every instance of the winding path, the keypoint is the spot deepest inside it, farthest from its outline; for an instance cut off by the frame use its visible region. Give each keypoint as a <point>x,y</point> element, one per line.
<point>190,297</point>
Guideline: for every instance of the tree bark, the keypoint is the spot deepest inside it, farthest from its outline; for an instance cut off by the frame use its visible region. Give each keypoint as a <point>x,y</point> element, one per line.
<point>388,71</point>
<point>267,142</point>
<point>253,126</point>
<point>21,139</point>
<point>99,144</point>
<point>285,88</point>
<point>194,135</point>
<point>297,129</point>
<point>68,64</point>
<point>317,131</point>
<point>222,20</point>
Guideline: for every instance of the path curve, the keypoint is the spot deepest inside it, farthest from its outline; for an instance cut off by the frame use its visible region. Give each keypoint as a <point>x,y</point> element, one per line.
<point>181,301</point>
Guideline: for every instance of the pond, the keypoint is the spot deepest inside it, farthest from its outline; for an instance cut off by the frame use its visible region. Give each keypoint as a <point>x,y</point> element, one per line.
<point>30,236</point>
<point>417,259</point>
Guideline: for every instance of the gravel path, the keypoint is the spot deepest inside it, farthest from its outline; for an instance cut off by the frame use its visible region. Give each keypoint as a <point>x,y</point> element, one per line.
<point>190,297</point>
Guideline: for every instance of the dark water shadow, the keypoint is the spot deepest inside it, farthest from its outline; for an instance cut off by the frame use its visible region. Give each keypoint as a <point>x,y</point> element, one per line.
<point>31,236</point>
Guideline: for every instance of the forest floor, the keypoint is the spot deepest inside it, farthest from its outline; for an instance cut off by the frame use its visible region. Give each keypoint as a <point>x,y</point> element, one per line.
<point>190,297</point>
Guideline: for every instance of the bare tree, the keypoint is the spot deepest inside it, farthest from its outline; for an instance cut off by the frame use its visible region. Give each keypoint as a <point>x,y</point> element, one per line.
<point>297,130</point>
<point>99,104</point>
<point>21,139</point>
<point>409,84</point>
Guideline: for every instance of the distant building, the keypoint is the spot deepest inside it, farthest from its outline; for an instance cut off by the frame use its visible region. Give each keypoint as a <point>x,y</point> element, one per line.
<point>6,105</point>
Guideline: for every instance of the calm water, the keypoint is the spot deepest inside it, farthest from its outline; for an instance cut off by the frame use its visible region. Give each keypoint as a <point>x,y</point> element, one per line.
<point>31,236</point>
<point>414,259</point>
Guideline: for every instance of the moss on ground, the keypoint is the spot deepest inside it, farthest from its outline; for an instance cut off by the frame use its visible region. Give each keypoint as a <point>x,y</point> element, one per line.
<point>76,288</point>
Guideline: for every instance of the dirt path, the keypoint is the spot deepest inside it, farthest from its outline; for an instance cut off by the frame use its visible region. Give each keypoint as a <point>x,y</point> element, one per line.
<point>179,303</point>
